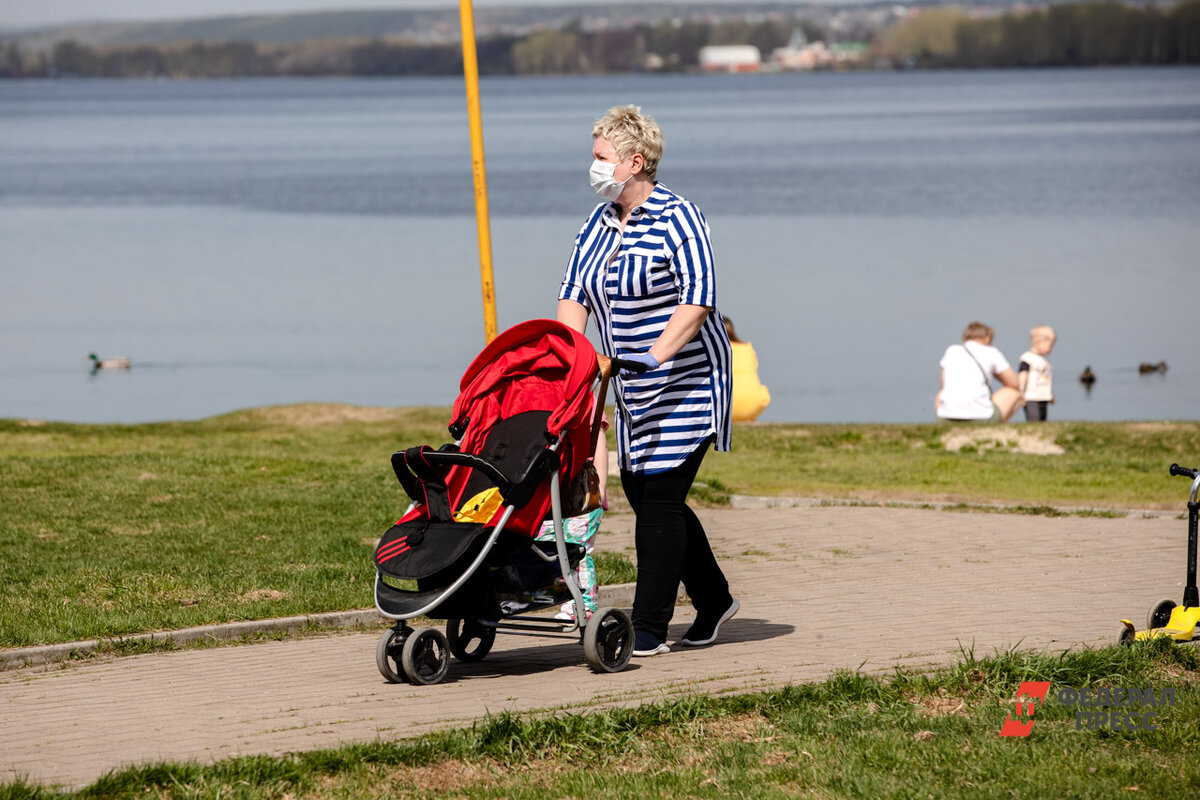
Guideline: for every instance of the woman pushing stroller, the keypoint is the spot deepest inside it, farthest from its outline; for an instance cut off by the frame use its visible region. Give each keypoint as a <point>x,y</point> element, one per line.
<point>643,265</point>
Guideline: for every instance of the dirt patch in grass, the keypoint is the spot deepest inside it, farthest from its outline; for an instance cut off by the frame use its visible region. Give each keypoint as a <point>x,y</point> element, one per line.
<point>445,776</point>
<point>123,530</point>
<point>313,414</point>
<point>984,439</point>
<point>1155,427</point>
<point>262,594</point>
<point>934,706</point>
<point>742,728</point>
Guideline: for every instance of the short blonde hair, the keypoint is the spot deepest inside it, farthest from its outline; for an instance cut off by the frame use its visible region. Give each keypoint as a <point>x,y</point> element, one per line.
<point>977,331</point>
<point>630,131</point>
<point>1042,332</point>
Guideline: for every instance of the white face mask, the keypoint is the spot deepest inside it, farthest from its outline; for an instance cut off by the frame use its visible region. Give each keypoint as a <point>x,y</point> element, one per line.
<point>600,176</point>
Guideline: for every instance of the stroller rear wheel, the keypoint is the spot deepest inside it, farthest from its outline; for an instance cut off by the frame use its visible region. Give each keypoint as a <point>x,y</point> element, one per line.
<point>426,657</point>
<point>469,640</point>
<point>608,640</point>
<point>387,654</point>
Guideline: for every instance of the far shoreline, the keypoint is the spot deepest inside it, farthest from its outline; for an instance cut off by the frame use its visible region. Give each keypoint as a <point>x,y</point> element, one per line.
<point>324,412</point>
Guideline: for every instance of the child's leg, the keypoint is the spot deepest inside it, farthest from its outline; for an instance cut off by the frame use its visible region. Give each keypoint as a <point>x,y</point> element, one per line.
<point>573,531</point>
<point>582,531</point>
<point>585,573</point>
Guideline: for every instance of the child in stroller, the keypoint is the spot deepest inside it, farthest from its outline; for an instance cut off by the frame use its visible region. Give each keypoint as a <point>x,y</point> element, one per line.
<point>468,541</point>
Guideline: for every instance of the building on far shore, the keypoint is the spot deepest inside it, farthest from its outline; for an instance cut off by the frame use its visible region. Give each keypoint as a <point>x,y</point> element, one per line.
<point>801,54</point>
<point>730,58</point>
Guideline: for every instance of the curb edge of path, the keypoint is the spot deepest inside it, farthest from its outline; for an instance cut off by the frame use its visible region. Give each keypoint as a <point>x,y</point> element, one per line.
<point>758,502</point>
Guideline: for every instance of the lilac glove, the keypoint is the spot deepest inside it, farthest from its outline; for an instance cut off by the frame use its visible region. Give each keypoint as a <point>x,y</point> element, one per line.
<point>639,358</point>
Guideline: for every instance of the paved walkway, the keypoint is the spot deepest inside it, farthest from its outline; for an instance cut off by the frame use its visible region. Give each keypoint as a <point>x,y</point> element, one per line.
<point>821,589</point>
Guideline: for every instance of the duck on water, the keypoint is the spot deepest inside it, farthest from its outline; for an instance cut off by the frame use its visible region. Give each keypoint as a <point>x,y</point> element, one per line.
<point>113,362</point>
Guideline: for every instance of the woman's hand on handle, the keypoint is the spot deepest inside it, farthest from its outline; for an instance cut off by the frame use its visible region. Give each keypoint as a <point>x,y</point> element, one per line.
<point>637,363</point>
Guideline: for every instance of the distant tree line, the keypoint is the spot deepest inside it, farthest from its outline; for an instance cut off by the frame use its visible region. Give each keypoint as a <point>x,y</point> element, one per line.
<point>1089,34</point>
<point>1062,35</point>
<point>247,59</point>
<point>569,50</point>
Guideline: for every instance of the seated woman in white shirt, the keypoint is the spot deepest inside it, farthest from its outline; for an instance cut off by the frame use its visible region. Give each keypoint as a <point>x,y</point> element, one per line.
<point>967,369</point>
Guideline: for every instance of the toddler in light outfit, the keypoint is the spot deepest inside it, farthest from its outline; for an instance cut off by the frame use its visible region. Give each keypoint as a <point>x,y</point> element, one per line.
<point>1033,375</point>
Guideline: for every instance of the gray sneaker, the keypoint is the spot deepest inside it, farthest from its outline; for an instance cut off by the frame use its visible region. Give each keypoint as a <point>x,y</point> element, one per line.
<point>704,629</point>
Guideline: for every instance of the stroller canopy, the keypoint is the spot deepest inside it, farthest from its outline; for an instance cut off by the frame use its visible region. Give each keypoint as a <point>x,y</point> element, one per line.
<point>529,388</point>
<point>539,365</point>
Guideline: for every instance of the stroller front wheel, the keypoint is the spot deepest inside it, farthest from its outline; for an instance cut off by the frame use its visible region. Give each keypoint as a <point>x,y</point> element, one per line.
<point>608,640</point>
<point>469,640</point>
<point>426,657</point>
<point>388,652</point>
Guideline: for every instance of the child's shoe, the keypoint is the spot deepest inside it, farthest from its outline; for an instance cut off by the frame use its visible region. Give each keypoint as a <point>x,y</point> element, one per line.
<point>567,614</point>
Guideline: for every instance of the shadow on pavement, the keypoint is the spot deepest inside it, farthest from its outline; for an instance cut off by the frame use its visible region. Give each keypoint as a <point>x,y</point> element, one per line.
<point>545,658</point>
<point>740,629</point>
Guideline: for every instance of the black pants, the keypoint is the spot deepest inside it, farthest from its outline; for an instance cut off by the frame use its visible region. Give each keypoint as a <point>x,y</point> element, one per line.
<point>1035,410</point>
<point>671,546</point>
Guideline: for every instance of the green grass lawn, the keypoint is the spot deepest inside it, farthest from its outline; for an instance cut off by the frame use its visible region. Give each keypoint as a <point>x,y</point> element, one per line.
<point>1102,465</point>
<point>907,735</point>
<point>109,530</point>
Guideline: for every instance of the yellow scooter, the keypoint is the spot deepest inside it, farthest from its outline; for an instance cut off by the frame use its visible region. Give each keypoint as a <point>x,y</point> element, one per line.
<point>1166,618</point>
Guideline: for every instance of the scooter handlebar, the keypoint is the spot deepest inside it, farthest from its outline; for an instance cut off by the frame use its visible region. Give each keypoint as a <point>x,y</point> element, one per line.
<point>1178,470</point>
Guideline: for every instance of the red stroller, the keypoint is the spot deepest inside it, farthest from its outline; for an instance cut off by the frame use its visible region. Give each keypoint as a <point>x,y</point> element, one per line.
<point>523,428</point>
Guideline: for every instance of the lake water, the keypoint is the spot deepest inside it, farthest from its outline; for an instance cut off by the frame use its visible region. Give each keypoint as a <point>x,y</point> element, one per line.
<point>260,242</point>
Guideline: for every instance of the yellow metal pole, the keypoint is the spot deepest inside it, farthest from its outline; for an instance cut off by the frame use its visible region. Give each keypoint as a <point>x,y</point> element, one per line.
<point>471,73</point>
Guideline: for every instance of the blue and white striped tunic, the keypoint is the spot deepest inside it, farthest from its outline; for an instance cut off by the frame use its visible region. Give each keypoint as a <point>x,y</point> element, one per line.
<point>632,283</point>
